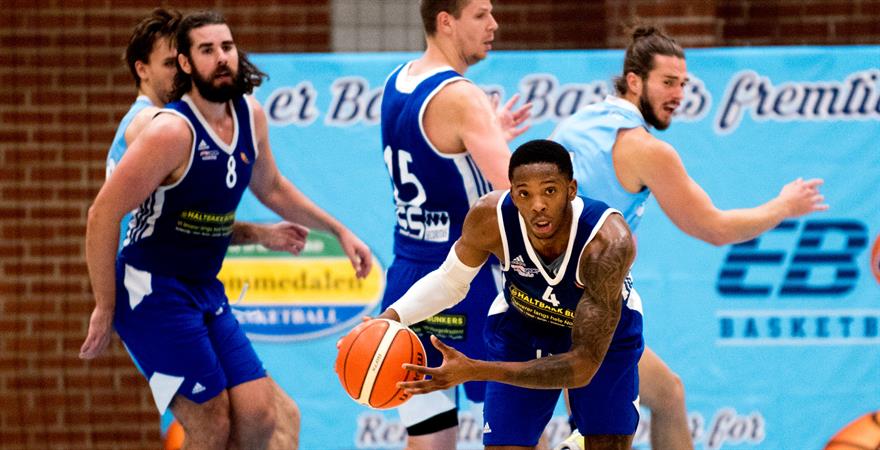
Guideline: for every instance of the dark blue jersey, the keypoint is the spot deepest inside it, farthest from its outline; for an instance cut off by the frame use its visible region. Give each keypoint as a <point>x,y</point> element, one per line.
<point>541,303</point>
<point>432,191</point>
<point>184,229</point>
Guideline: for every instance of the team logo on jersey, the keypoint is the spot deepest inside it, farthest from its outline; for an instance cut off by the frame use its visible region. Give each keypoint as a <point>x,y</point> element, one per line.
<point>244,158</point>
<point>547,309</point>
<point>205,151</point>
<point>281,297</point>
<point>519,266</point>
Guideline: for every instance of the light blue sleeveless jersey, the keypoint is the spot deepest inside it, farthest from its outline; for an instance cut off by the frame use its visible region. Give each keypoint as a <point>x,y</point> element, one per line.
<point>432,191</point>
<point>119,147</point>
<point>183,230</point>
<point>589,135</point>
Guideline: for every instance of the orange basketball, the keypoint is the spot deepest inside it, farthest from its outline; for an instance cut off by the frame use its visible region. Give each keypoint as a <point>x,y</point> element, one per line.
<point>174,436</point>
<point>370,358</point>
<point>860,434</point>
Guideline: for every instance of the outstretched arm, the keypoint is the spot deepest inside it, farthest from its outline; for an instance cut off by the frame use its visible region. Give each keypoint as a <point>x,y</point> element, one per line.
<point>281,196</point>
<point>659,167</point>
<point>603,266</point>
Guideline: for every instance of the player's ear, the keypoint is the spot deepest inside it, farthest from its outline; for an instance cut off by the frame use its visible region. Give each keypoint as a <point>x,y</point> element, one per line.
<point>634,83</point>
<point>183,62</point>
<point>141,69</point>
<point>444,22</point>
<point>572,189</point>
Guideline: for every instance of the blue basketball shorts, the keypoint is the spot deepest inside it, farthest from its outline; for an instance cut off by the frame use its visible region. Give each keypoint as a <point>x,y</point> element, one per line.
<point>183,336</point>
<point>517,416</point>
<point>461,326</point>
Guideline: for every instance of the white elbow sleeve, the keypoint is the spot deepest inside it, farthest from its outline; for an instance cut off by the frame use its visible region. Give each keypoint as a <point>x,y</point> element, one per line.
<point>436,291</point>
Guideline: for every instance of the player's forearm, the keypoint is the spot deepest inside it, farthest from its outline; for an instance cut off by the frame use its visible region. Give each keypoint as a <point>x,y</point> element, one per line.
<point>739,225</point>
<point>102,241</point>
<point>492,156</point>
<point>436,291</point>
<point>551,372</point>
<point>427,297</point>
<point>244,233</point>
<point>291,204</point>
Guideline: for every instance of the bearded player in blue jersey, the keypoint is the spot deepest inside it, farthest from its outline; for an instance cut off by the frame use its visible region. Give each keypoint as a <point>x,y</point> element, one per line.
<point>568,317</point>
<point>186,173</point>
<point>444,146</point>
<point>151,58</point>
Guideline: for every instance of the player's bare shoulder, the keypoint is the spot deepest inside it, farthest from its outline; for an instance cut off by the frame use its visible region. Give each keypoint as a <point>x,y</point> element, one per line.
<point>635,137</point>
<point>174,126</point>
<point>458,106</point>
<point>460,95</point>
<point>641,140</point>
<point>480,229</point>
<point>139,122</point>
<point>261,124</point>
<point>255,104</point>
<point>168,135</point>
<point>612,246</point>
<point>641,156</point>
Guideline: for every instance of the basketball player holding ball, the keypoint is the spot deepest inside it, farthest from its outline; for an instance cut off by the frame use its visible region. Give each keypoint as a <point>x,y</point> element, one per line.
<point>567,320</point>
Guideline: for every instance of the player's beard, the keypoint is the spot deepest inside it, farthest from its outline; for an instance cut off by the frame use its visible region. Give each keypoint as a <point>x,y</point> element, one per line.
<point>648,113</point>
<point>216,94</point>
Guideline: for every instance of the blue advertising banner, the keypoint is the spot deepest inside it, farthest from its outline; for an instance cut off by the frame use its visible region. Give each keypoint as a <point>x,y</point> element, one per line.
<point>777,340</point>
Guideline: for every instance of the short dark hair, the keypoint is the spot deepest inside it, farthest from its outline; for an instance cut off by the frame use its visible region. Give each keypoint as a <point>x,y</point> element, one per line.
<point>541,151</point>
<point>430,8</point>
<point>249,76</point>
<point>647,41</point>
<point>161,23</point>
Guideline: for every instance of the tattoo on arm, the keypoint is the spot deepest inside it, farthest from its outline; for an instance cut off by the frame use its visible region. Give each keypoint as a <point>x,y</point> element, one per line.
<point>603,269</point>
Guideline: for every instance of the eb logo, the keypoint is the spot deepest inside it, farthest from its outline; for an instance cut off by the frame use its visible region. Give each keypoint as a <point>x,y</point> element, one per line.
<point>823,261</point>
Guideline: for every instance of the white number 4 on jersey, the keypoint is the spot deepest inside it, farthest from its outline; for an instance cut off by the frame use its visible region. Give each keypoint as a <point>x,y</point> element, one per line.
<point>550,297</point>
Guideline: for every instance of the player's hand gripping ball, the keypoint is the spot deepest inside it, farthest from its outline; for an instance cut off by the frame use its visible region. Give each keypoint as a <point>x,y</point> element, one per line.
<point>370,359</point>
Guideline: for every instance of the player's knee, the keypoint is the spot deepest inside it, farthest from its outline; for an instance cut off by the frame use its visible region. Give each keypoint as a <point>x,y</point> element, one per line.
<point>295,415</point>
<point>215,436</point>
<point>288,413</point>
<point>258,421</point>
<point>211,429</point>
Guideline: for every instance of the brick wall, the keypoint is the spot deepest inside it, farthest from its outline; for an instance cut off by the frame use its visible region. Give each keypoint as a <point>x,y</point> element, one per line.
<point>789,22</point>
<point>531,24</point>
<point>63,89</point>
